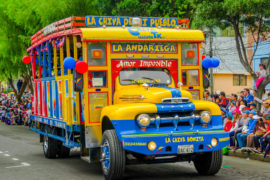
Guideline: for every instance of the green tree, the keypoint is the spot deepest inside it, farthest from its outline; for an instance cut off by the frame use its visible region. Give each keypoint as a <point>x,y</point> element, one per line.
<point>224,13</point>
<point>20,19</point>
<point>150,8</point>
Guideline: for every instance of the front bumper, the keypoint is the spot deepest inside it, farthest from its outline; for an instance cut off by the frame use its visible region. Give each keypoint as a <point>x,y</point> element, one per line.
<point>167,143</point>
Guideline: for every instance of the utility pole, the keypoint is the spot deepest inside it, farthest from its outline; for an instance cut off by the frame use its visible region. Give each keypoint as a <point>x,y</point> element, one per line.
<point>211,55</point>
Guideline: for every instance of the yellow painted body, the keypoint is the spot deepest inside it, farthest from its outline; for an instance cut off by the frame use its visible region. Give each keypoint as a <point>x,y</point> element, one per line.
<point>124,34</point>
<point>116,106</point>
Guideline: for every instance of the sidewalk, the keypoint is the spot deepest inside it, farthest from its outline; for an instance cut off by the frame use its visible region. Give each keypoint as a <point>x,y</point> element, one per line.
<point>250,155</point>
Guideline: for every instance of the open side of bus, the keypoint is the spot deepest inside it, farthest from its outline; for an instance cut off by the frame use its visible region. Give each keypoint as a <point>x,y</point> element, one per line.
<point>129,102</point>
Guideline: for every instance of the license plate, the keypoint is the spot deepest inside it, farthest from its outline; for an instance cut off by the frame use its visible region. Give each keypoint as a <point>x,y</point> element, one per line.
<point>185,149</point>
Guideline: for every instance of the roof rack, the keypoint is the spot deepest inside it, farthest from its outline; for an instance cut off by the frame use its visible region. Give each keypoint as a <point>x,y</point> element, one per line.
<point>63,27</point>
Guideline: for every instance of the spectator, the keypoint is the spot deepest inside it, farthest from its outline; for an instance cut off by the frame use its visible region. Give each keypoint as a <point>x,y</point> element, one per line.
<point>258,132</point>
<point>246,130</point>
<point>224,101</point>
<point>266,107</point>
<point>228,126</point>
<point>207,96</point>
<point>253,107</point>
<point>261,75</point>
<point>19,85</point>
<point>234,129</point>
<point>265,139</point>
<point>248,97</point>
<point>232,107</point>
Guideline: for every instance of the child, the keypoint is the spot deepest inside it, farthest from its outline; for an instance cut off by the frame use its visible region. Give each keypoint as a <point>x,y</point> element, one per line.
<point>261,75</point>
<point>228,126</point>
<point>232,107</point>
<point>258,132</point>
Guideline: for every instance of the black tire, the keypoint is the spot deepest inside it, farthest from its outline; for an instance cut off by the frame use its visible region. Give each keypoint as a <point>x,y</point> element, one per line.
<point>116,157</point>
<point>208,163</point>
<point>63,151</point>
<point>49,147</point>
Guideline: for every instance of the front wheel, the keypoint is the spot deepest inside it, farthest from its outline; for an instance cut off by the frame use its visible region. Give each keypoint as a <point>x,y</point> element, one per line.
<point>208,163</point>
<point>113,157</point>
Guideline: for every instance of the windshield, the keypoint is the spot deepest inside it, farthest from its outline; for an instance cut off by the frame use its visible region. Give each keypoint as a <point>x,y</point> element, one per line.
<point>144,75</point>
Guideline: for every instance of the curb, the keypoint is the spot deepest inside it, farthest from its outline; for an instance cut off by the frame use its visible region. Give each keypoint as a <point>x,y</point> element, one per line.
<point>250,155</point>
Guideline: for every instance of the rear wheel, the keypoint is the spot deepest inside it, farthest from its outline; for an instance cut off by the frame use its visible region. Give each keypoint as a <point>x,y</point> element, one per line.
<point>208,163</point>
<point>113,157</point>
<point>49,147</point>
<point>63,151</point>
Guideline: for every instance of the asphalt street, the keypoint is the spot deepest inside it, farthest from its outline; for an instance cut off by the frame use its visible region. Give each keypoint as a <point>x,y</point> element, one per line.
<point>21,157</point>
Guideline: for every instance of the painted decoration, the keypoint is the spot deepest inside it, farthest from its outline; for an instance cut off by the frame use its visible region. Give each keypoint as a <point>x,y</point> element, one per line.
<point>54,99</point>
<point>118,21</point>
<point>48,98</point>
<point>60,96</point>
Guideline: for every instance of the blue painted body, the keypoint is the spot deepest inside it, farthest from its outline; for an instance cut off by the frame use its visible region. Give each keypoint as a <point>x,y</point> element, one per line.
<point>135,139</point>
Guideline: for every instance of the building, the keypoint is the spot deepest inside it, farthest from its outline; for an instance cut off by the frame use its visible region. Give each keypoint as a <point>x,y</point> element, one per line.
<point>230,76</point>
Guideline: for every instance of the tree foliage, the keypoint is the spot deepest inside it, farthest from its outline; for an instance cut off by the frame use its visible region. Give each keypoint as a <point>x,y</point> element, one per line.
<point>224,13</point>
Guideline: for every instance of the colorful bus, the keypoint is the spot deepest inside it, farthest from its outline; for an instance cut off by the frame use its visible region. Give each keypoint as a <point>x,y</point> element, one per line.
<point>124,90</point>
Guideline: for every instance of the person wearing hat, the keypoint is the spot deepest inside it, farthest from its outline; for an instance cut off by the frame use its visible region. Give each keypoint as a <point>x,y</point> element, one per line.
<point>266,107</point>
<point>253,107</point>
<point>246,130</point>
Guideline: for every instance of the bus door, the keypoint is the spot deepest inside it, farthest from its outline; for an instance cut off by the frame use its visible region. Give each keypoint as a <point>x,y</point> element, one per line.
<point>190,69</point>
<point>97,82</point>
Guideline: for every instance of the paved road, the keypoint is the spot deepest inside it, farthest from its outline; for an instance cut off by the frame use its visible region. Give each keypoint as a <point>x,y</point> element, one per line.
<point>21,157</point>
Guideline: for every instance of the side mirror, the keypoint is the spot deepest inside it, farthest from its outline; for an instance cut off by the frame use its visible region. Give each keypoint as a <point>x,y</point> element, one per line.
<point>77,81</point>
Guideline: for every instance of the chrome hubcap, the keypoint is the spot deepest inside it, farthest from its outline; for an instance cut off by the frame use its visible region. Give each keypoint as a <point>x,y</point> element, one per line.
<point>45,143</point>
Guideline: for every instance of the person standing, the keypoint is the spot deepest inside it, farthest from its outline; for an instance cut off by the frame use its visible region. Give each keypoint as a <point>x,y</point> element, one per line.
<point>19,85</point>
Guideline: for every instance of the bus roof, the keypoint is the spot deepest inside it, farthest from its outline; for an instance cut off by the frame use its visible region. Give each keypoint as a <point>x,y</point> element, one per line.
<point>142,34</point>
<point>102,27</point>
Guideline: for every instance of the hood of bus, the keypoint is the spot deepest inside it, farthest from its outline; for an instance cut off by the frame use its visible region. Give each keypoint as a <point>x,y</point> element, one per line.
<point>138,93</point>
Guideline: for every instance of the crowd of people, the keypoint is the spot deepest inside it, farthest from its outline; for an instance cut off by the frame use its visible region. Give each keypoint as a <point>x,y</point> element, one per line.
<point>14,113</point>
<point>248,126</point>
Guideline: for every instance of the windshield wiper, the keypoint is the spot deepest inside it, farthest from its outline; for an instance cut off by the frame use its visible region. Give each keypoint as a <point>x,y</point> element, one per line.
<point>132,80</point>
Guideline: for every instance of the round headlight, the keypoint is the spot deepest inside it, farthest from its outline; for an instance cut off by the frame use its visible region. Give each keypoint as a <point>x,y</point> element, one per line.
<point>205,116</point>
<point>214,142</point>
<point>152,145</point>
<point>144,120</point>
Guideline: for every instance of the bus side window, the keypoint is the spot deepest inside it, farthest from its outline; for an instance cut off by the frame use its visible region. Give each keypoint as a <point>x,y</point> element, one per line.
<point>189,54</point>
<point>97,79</point>
<point>97,54</point>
